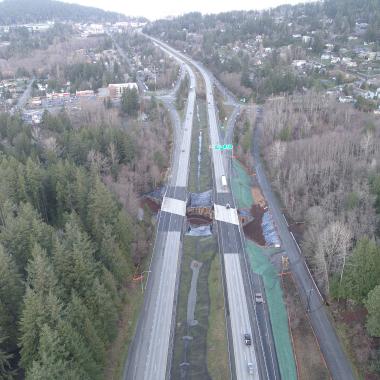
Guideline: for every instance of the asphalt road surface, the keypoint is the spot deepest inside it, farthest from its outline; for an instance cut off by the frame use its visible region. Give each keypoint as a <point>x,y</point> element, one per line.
<point>241,316</point>
<point>339,366</point>
<point>150,353</point>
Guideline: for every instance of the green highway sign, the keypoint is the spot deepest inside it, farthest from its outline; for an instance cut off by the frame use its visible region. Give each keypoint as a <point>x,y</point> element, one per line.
<point>223,147</point>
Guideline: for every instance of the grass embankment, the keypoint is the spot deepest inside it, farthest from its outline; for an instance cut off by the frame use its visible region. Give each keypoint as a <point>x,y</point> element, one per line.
<point>225,110</point>
<point>132,303</point>
<point>206,351</point>
<point>133,299</point>
<point>117,355</point>
<point>217,353</point>
<point>200,124</point>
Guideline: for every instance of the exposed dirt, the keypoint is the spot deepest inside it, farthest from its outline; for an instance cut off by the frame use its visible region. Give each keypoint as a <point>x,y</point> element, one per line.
<point>253,229</point>
<point>258,196</point>
<point>198,220</point>
<point>309,360</point>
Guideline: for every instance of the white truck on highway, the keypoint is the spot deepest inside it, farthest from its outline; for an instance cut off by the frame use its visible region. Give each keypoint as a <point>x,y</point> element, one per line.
<point>224,181</point>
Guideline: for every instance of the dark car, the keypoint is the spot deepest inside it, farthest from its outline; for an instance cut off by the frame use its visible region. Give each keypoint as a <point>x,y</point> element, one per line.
<point>247,339</point>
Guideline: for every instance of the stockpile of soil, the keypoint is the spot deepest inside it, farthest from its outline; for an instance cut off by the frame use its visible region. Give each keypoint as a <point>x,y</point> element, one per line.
<point>253,230</point>
<point>258,196</point>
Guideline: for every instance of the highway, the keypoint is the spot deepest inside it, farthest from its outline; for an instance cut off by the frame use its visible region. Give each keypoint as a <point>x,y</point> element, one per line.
<point>150,353</point>
<point>336,360</point>
<point>241,315</point>
<point>233,241</point>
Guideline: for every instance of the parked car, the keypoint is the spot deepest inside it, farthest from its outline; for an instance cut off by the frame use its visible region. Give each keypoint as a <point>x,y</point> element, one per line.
<point>250,368</point>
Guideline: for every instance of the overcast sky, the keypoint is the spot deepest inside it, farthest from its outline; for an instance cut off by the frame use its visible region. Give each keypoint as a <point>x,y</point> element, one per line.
<point>154,9</point>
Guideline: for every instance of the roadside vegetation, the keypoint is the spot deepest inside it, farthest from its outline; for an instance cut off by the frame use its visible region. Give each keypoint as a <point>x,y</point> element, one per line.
<point>242,137</point>
<point>322,158</point>
<point>208,333</point>
<point>147,62</point>
<point>70,242</point>
<point>308,356</point>
<point>182,93</point>
<point>204,182</point>
<point>217,346</point>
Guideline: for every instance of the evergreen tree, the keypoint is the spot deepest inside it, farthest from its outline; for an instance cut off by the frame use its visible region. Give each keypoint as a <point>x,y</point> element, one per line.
<point>373,306</point>
<point>80,319</point>
<point>362,272</point>
<point>111,255</point>
<point>11,292</point>
<point>52,360</point>
<point>6,372</point>
<point>102,209</point>
<point>34,180</point>
<point>124,230</point>
<point>81,360</point>
<point>21,232</point>
<point>41,276</point>
<point>38,311</point>
<point>101,306</point>
<point>130,102</point>
<point>74,260</point>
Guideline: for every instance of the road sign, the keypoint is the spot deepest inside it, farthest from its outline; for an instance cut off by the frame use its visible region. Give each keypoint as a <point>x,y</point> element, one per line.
<point>223,147</point>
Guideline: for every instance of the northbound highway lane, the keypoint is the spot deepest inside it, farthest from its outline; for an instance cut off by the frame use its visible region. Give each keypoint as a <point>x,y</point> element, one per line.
<point>242,316</point>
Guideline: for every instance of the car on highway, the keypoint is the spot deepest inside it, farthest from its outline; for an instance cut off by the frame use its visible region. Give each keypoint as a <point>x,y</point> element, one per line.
<point>259,298</point>
<point>247,339</point>
<point>251,369</point>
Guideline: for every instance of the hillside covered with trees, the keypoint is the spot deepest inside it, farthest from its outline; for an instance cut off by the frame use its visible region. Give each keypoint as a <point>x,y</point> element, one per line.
<point>323,160</point>
<point>252,52</point>
<point>25,11</point>
<point>68,247</point>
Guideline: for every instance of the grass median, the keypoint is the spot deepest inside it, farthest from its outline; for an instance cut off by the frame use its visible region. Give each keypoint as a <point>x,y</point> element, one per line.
<point>217,351</point>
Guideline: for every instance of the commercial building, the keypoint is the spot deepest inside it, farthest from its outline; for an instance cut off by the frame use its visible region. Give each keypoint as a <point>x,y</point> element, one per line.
<point>117,89</point>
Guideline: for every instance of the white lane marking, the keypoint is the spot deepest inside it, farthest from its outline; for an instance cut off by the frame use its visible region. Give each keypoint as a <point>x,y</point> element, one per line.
<point>239,317</point>
<point>163,309</point>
